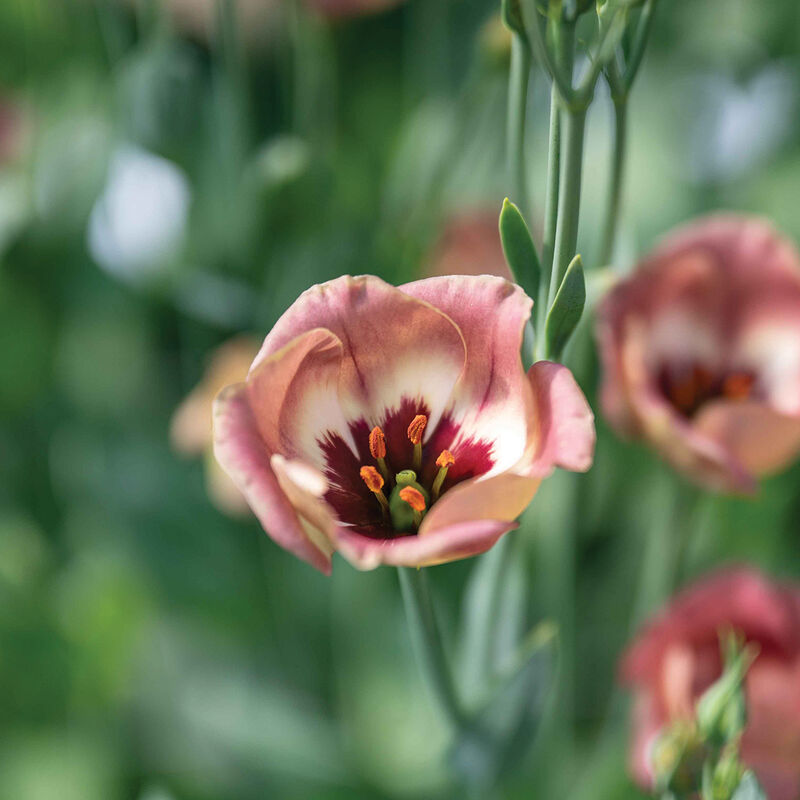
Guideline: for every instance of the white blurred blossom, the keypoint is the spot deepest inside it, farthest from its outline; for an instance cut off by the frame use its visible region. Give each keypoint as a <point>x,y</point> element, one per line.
<point>738,126</point>
<point>139,221</point>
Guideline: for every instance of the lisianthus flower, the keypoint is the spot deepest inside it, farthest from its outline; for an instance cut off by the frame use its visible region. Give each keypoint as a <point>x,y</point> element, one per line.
<point>701,352</point>
<point>397,425</point>
<point>676,658</point>
<point>190,429</point>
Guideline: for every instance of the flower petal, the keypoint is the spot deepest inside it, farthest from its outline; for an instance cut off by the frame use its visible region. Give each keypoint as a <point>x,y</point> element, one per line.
<point>294,394</point>
<point>457,541</point>
<point>395,347</point>
<point>499,497</point>
<point>761,439</point>
<point>492,400</point>
<point>240,450</point>
<point>566,435</point>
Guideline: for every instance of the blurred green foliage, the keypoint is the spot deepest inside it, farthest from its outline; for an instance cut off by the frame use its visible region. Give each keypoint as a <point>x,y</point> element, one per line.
<point>151,648</point>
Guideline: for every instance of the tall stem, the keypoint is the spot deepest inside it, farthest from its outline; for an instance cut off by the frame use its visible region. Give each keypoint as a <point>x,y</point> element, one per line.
<point>569,199</point>
<point>427,642</point>
<point>553,174</point>
<point>517,112</point>
<point>615,178</point>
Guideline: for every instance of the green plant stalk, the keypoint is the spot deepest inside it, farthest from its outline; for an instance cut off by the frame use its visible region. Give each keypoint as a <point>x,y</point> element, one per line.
<point>551,198</point>
<point>569,197</point>
<point>427,642</point>
<point>616,179</point>
<point>517,111</point>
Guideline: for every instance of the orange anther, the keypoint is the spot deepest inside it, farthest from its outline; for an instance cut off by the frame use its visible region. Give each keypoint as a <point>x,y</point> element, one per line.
<point>372,478</point>
<point>413,497</point>
<point>417,428</point>
<point>737,386</point>
<point>445,459</point>
<point>377,443</point>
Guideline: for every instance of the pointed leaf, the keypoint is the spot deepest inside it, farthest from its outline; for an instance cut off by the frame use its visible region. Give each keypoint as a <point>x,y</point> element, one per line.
<point>566,311</point>
<point>511,14</point>
<point>519,250</point>
<point>749,789</point>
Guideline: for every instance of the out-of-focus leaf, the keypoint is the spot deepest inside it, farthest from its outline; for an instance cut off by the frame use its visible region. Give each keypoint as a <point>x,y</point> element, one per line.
<point>749,789</point>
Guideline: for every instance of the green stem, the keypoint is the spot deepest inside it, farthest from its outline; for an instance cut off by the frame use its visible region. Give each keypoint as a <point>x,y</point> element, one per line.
<point>427,642</point>
<point>615,179</point>
<point>553,173</point>
<point>569,199</point>
<point>517,108</point>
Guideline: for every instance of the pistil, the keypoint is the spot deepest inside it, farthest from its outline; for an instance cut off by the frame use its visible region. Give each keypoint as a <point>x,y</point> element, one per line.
<point>444,462</point>
<point>375,482</point>
<point>415,431</point>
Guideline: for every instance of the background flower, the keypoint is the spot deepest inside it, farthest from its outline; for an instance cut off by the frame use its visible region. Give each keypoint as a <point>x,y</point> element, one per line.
<point>676,658</point>
<point>701,351</point>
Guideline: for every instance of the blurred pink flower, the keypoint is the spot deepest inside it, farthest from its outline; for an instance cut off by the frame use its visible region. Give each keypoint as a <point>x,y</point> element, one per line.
<point>190,430</point>
<point>676,658</point>
<point>701,351</point>
<point>469,245</point>
<point>359,380</point>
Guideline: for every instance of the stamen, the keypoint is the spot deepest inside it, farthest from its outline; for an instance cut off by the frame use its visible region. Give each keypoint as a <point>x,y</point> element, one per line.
<point>377,448</point>
<point>737,386</point>
<point>374,482</point>
<point>444,462</point>
<point>417,502</point>
<point>415,431</point>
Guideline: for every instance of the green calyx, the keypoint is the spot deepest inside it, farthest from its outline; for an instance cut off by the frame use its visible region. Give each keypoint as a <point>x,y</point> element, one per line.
<point>401,512</point>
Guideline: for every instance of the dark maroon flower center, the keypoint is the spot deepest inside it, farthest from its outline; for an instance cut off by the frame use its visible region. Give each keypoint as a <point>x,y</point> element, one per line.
<point>689,386</point>
<point>350,495</point>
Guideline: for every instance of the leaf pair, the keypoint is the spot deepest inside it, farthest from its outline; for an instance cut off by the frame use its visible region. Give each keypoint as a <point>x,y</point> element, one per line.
<point>520,252</point>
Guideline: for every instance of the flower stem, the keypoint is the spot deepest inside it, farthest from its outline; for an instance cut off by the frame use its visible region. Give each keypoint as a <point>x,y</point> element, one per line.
<point>427,642</point>
<point>553,174</point>
<point>615,179</point>
<point>569,197</point>
<point>517,112</point>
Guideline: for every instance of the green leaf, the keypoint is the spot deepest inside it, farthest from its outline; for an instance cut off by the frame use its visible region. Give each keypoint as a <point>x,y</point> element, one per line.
<point>519,250</point>
<point>511,14</point>
<point>749,789</point>
<point>566,311</point>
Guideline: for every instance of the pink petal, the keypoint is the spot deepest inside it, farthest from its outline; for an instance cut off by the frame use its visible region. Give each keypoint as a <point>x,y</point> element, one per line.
<point>761,439</point>
<point>395,347</point>
<point>499,497</point>
<point>460,540</point>
<point>566,434</point>
<point>294,395</point>
<point>492,401</point>
<point>240,450</point>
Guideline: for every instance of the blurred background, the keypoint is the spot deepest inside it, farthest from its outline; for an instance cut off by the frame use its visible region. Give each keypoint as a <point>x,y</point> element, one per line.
<point>173,174</point>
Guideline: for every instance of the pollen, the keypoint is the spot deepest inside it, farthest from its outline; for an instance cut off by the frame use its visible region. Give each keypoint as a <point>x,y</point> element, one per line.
<point>413,497</point>
<point>417,428</point>
<point>372,478</point>
<point>445,459</point>
<point>377,443</point>
<point>737,386</point>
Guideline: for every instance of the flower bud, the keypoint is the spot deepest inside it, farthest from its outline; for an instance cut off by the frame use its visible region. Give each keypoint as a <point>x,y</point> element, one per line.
<point>722,711</point>
<point>677,759</point>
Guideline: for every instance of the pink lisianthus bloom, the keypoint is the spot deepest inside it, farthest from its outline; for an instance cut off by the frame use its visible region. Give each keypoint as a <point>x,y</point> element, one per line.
<point>677,657</point>
<point>701,352</point>
<point>359,382</point>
